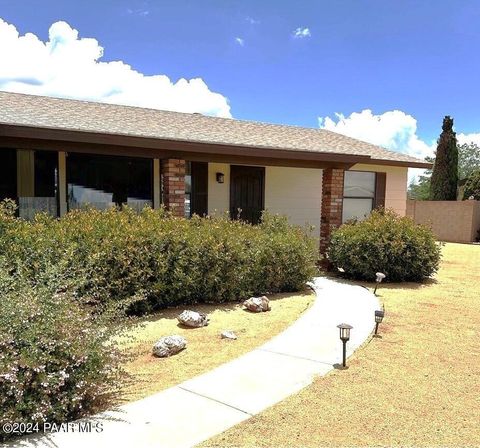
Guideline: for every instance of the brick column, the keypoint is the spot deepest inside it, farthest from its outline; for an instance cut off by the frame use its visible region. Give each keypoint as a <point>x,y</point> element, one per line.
<point>332,201</point>
<point>173,183</point>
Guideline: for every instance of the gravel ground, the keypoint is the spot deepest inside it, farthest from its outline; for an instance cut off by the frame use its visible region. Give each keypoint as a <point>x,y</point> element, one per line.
<point>417,385</point>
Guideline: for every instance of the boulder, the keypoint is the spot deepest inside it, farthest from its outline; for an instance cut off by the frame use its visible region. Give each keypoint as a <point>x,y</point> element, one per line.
<point>169,345</point>
<point>228,334</point>
<point>257,304</point>
<point>193,319</point>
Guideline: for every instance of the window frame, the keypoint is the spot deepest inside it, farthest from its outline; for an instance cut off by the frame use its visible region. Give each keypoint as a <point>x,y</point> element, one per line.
<point>375,190</point>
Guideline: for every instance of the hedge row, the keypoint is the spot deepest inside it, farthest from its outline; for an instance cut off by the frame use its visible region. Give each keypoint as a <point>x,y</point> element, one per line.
<point>151,260</point>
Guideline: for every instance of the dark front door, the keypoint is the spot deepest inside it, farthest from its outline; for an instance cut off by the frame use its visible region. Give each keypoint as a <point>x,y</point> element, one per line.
<point>247,192</point>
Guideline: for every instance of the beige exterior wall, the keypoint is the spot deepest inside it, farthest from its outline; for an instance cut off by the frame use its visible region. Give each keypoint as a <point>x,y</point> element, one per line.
<point>218,194</point>
<point>294,192</point>
<point>455,221</point>
<point>396,187</point>
<point>297,192</point>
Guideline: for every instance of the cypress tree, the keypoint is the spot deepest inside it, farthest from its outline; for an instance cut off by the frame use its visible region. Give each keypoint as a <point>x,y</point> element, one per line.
<point>443,186</point>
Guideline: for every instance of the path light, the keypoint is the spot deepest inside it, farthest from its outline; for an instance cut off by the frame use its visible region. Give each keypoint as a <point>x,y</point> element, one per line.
<point>344,336</point>
<point>380,277</point>
<point>379,315</point>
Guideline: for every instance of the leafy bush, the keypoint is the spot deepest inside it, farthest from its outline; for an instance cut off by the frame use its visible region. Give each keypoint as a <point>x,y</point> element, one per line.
<point>472,186</point>
<point>55,362</point>
<point>151,260</point>
<point>385,242</point>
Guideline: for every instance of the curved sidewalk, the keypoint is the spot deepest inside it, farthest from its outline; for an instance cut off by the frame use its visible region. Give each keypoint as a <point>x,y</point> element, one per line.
<point>204,406</point>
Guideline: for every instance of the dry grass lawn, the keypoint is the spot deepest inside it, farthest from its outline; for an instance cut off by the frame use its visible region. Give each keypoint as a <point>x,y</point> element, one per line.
<point>205,349</point>
<point>419,385</point>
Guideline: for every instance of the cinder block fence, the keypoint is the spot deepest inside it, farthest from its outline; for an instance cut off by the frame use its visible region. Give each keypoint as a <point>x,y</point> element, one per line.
<point>453,221</point>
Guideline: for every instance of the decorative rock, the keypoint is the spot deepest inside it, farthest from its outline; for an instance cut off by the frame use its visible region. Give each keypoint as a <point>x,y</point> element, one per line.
<point>169,345</point>
<point>227,334</point>
<point>193,319</point>
<point>257,304</point>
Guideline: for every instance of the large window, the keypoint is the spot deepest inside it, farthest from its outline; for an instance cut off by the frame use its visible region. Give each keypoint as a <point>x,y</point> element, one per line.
<point>105,181</point>
<point>8,173</point>
<point>358,194</point>
<point>31,178</point>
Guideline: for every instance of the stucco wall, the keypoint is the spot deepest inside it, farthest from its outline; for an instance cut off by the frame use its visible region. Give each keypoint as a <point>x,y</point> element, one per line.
<point>456,221</point>
<point>295,192</point>
<point>396,186</point>
<point>218,194</point>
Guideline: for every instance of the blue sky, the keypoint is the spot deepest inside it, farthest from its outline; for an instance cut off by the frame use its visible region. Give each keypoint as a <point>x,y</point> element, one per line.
<point>418,57</point>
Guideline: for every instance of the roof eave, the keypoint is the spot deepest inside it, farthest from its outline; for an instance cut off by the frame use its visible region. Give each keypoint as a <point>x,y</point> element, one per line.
<point>87,137</point>
<point>404,163</point>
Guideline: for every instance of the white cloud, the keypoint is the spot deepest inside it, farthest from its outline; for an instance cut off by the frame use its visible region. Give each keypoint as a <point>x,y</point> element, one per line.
<point>252,21</point>
<point>138,12</point>
<point>394,130</point>
<point>469,138</point>
<point>301,33</point>
<point>240,41</point>
<point>71,67</point>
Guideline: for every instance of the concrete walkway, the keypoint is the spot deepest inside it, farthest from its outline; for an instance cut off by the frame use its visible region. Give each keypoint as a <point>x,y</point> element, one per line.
<point>204,406</point>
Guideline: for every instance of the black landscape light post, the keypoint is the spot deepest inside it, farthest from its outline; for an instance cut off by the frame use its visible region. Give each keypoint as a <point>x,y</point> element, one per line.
<point>379,315</point>
<point>380,277</point>
<point>344,336</point>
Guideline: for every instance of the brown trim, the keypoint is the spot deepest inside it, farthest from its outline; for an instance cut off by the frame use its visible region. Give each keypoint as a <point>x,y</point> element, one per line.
<point>56,145</point>
<point>199,188</point>
<point>401,163</point>
<point>172,145</point>
<point>380,190</point>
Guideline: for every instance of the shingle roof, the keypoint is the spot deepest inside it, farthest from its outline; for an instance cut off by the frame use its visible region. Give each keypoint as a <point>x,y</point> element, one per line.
<point>66,114</point>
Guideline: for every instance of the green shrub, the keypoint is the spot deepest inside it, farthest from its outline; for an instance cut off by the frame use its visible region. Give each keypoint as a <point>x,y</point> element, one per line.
<point>149,260</point>
<point>55,362</point>
<point>385,242</point>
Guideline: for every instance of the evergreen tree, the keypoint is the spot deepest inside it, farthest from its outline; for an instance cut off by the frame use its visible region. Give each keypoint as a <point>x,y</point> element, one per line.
<point>444,181</point>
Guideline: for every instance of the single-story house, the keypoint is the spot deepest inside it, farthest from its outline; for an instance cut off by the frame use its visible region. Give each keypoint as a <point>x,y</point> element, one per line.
<point>59,154</point>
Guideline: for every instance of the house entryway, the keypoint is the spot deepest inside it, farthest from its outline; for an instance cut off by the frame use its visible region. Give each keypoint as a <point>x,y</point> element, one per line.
<point>247,192</point>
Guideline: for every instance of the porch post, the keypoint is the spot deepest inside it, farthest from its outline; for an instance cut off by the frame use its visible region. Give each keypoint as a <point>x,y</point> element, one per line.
<point>173,182</point>
<point>25,173</point>
<point>332,204</point>
<point>156,183</point>
<point>62,182</point>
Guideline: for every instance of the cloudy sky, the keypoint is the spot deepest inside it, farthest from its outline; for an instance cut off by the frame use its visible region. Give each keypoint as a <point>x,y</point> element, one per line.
<point>383,71</point>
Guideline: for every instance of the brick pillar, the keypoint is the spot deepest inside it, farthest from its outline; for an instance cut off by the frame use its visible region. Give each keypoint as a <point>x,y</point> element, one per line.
<point>332,201</point>
<point>173,182</point>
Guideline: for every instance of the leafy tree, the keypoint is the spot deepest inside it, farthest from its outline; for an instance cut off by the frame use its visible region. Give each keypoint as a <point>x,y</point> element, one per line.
<point>468,159</point>
<point>472,186</point>
<point>444,180</point>
<point>419,190</point>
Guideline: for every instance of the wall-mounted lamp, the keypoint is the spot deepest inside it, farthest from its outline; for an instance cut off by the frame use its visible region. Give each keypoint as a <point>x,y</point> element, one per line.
<point>220,178</point>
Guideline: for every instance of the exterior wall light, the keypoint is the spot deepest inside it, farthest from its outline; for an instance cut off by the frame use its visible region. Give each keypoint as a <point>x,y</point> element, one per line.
<point>379,315</point>
<point>380,277</point>
<point>345,337</point>
<point>220,178</point>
